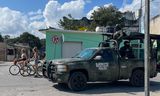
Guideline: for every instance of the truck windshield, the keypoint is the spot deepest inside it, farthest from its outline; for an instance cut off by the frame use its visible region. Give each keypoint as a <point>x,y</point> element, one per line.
<point>86,53</point>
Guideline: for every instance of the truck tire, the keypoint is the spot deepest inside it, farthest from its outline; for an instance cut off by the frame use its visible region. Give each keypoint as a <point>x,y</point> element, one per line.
<point>137,78</point>
<point>77,81</point>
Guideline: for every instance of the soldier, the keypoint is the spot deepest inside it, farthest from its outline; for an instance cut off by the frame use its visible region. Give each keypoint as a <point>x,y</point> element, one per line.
<point>126,51</point>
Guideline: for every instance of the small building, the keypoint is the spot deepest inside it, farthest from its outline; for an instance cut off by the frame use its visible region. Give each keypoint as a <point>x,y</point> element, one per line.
<point>3,51</point>
<point>155,24</point>
<point>10,51</point>
<point>16,50</point>
<point>67,43</point>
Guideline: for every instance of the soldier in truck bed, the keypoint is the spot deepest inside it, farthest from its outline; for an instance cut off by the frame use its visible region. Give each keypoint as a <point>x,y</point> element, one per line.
<point>126,50</point>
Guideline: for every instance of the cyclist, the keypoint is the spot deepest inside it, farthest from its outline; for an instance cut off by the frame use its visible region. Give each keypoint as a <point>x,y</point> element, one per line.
<point>23,58</point>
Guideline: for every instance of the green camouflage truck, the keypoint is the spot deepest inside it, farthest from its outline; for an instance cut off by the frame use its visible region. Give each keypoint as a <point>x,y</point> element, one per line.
<point>104,63</point>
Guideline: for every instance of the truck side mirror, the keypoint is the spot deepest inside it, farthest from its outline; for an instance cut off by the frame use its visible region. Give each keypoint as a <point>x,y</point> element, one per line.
<point>98,57</point>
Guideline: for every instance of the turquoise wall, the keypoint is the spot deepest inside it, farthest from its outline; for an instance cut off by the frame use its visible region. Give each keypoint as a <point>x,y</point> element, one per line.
<point>53,51</point>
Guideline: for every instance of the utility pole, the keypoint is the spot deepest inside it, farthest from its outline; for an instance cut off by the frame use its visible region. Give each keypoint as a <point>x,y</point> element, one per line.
<point>147,47</point>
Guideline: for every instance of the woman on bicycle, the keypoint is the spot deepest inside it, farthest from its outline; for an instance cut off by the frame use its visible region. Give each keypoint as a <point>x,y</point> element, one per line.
<point>23,58</point>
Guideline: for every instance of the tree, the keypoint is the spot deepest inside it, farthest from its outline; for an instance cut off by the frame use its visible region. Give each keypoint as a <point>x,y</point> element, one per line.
<point>104,16</point>
<point>66,23</point>
<point>27,38</point>
<point>7,37</point>
<point>69,23</point>
<point>43,42</point>
<point>107,16</point>
<point>30,39</point>
<point>1,38</point>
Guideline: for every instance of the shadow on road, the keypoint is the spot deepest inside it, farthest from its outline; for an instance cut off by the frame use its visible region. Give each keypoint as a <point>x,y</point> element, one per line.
<point>116,87</point>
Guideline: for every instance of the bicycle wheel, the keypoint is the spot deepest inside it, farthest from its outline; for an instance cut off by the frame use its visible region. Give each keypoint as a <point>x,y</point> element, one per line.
<point>14,69</point>
<point>32,70</point>
<point>39,71</point>
<point>25,71</point>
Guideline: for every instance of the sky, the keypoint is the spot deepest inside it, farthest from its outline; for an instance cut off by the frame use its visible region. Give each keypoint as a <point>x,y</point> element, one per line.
<point>33,5</point>
<point>18,16</point>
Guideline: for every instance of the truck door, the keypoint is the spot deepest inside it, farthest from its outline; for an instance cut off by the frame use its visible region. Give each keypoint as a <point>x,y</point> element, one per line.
<point>107,67</point>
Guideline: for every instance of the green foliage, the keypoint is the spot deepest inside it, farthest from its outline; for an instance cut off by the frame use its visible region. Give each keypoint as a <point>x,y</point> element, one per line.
<point>1,38</point>
<point>43,42</point>
<point>7,37</point>
<point>83,28</point>
<point>109,16</point>
<point>27,38</point>
<point>69,23</point>
<point>30,39</point>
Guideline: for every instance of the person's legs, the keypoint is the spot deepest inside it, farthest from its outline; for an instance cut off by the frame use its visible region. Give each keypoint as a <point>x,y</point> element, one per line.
<point>14,61</point>
<point>21,63</point>
<point>36,67</point>
<point>17,61</point>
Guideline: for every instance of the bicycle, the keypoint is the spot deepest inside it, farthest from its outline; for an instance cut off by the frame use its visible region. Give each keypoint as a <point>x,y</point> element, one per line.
<point>25,71</point>
<point>30,69</point>
<point>15,69</point>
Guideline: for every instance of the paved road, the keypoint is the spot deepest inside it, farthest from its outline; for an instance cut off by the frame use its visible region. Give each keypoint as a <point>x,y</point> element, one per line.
<point>30,86</point>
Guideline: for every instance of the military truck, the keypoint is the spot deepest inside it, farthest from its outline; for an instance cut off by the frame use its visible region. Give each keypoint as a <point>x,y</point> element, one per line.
<point>105,63</point>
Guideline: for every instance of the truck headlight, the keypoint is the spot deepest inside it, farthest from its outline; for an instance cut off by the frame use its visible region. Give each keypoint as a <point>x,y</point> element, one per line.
<point>61,68</point>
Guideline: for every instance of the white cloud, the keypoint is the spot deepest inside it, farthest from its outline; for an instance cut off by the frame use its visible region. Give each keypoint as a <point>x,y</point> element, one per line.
<point>108,5</point>
<point>89,14</point>
<point>36,17</point>
<point>38,12</point>
<point>35,26</point>
<point>14,23</point>
<point>135,5</point>
<point>131,7</point>
<point>54,11</point>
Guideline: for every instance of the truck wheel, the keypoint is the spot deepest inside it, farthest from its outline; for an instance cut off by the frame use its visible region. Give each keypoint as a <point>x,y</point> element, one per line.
<point>77,81</point>
<point>137,78</point>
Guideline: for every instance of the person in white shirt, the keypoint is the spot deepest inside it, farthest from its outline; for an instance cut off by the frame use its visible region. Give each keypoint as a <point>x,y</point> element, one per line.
<point>23,57</point>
